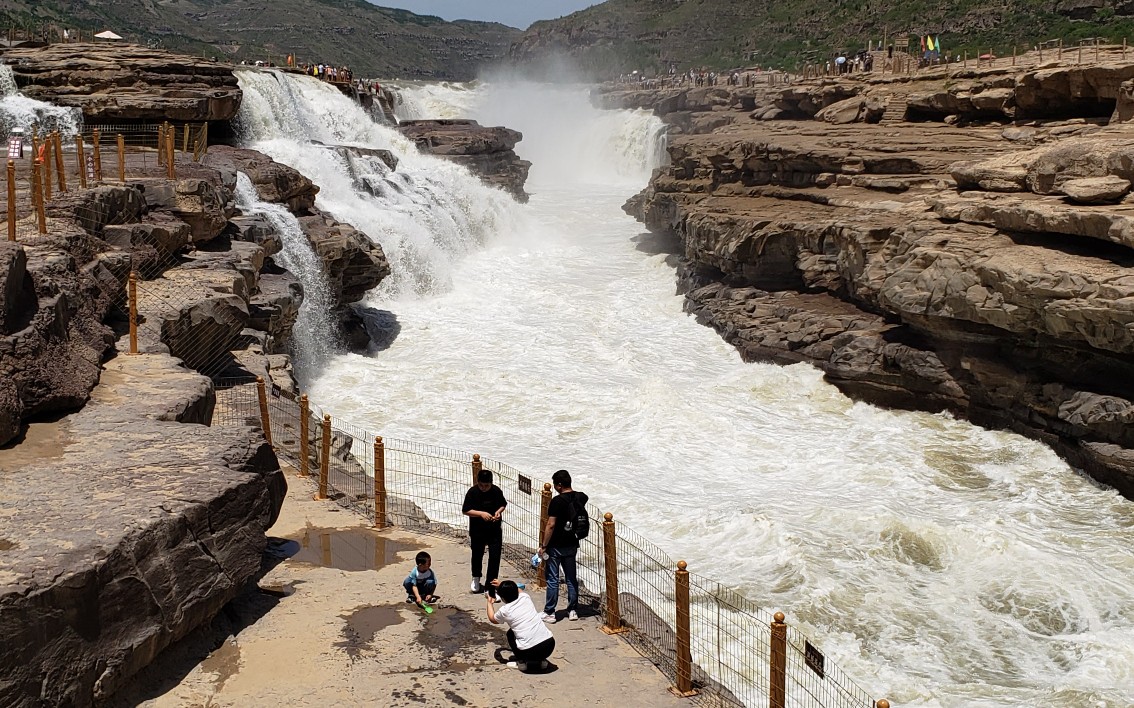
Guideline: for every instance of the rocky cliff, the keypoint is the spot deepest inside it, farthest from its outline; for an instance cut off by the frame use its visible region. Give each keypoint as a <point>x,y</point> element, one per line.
<point>818,224</point>
<point>487,152</point>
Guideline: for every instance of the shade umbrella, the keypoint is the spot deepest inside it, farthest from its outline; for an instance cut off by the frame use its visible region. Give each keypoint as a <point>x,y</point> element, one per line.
<point>107,35</point>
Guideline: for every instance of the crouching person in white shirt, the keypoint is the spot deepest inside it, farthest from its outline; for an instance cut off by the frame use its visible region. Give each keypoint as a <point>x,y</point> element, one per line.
<point>528,635</point>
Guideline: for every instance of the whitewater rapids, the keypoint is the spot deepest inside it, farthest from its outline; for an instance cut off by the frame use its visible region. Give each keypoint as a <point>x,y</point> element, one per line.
<point>937,563</point>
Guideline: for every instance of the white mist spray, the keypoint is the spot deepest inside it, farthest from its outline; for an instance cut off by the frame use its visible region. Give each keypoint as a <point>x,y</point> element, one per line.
<point>19,111</point>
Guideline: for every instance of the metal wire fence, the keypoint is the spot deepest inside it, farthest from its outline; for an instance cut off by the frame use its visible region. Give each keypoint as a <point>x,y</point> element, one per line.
<point>714,644</point>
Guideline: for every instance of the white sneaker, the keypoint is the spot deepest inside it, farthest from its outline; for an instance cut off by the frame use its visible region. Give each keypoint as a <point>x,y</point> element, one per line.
<point>550,619</point>
<point>475,586</point>
<point>517,665</point>
<point>572,615</point>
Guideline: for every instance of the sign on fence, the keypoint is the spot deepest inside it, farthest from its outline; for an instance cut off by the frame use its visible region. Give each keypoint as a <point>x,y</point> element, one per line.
<point>276,390</point>
<point>15,147</point>
<point>525,484</point>
<point>813,658</point>
<point>90,168</point>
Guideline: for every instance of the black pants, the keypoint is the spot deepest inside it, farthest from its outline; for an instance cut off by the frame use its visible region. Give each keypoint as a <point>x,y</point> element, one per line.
<point>537,653</point>
<point>495,543</point>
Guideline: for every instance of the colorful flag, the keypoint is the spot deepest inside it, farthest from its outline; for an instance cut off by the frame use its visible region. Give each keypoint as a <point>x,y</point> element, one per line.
<point>922,44</point>
<point>929,42</point>
<point>937,42</point>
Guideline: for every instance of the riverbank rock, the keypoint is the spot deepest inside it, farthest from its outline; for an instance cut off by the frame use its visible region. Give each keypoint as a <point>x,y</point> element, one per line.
<point>122,82</point>
<point>275,182</point>
<point>353,263</point>
<point>486,151</point>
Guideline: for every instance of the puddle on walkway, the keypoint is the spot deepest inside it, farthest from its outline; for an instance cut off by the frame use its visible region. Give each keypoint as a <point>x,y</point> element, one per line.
<point>224,662</point>
<point>347,549</point>
<point>459,635</point>
<point>6,545</point>
<point>363,625</point>
<point>40,442</point>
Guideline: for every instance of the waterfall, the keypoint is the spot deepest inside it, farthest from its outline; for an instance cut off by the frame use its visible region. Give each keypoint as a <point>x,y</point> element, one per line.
<point>316,336</point>
<point>19,111</point>
<point>427,214</point>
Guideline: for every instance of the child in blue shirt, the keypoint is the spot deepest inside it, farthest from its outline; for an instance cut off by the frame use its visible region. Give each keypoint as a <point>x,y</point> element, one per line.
<point>421,583</point>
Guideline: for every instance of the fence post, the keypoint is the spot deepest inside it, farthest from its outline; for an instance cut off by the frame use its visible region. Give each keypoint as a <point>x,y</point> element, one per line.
<point>81,161</point>
<point>477,466</point>
<point>133,312</point>
<point>161,144</point>
<point>121,159</point>
<point>1059,54</point>
<point>185,140</point>
<point>37,195</point>
<point>325,459</point>
<point>304,432</point>
<point>47,150</point>
<point>379,483</point>
<point>544,502</point>
<point>610,559</point>
<point>170,151</point>
<point>1013,55</point>
<point>265,419</point>
<point>60,172</point>
<point>882,703</point>
<point>684,657</point>
<point>965,64</point>
<point>11,200</point>
<point>777,675</point>
<point>97,155</point>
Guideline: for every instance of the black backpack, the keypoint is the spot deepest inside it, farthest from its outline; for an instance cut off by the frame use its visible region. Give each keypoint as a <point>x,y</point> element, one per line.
<point>578,524</point>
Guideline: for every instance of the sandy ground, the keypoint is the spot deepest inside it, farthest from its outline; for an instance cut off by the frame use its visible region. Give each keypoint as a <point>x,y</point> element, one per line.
<point>329,625</point>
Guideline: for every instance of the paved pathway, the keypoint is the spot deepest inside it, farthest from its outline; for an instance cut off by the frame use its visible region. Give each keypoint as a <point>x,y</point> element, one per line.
<point>330,627</point>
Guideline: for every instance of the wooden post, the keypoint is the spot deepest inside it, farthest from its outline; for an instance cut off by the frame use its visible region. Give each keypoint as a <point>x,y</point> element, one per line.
<point>170,152</point>
<point>11,200</point>
<point>133,312</point>
<point>37,195</point>
<point>265,419</point>
<point>777,676</point>
<point>35,147</point>
<point>121,159</point>
<point>882,703</point>
<point>379,483</point>
<point>1013,55</point>
<point>185,140</point>
<point>81,161</point>
<point>684,656</point>
<point>477,466</point>
<point>324,459</point>
<point>47,150</point>
<point>97,155</point>
<point>304,434</point>
<point>544,502</point>
<point>161,144</point>
<point>60,172</point>
<point>965,64</point>
<point>204,138</point>
<point>613,614</point>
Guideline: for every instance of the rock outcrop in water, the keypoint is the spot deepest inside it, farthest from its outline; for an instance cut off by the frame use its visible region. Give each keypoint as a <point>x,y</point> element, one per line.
<point>488,152</point>
<point>914,276</point>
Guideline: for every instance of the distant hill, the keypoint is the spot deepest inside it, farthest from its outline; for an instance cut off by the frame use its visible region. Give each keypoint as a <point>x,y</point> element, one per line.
<point>372,40</point>
<point>623,35</point>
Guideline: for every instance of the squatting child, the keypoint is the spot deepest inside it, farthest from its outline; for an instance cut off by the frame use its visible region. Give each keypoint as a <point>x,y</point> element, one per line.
<point>421,583</point>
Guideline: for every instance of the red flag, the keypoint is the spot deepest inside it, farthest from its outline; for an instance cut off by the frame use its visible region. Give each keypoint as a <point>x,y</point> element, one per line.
<point>923,44</point>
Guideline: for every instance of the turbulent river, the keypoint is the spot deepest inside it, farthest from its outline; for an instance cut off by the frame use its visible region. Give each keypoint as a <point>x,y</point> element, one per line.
<point>937,563</point>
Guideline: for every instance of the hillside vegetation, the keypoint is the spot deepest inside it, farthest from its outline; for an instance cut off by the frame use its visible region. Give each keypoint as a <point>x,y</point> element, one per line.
<point>622,35</point>
<point>372,40</point>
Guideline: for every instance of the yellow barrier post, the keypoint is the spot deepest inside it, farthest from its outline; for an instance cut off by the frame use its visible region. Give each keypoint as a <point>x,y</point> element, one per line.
<point>97,155</point>
<point>325,459</point>
<point>304,432</point>
<point>777,674</point>
<point>379,483</point>
<point>11,200</point>
<point>544,503</point>
<point>47,150</point>
<point>477,466</point>
<point>81,161</point>
<point>60,172</point>
<point>610,560</point>
<point>37,196</point>
<point>121,159</point>
<point>170,151</point>
<point>133,312</point>
<point>684,687</point>
<point>265,419</point>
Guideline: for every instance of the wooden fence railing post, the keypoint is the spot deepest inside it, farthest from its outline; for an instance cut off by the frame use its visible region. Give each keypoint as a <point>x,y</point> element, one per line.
<point>170,151</point>
<point>48,146</point>
<point>477,466</point>
<point>304,436</point>
<point>11,200</point>
<point>324,458</point>
<point>613,615</point>
<point>133,312</point>
<point>81,161</point>
<point>97,155</point>
<point>379,483</point>
<point>544,503</point>
<point>265,418</point>
<point>121,159</point>
<point>161,144</point>
<point>684,686</point>
<point>777,672</point>
<point>60,171</point>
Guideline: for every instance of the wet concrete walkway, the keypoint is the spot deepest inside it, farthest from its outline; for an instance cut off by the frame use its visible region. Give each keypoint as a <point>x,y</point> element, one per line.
<point>330,626</point>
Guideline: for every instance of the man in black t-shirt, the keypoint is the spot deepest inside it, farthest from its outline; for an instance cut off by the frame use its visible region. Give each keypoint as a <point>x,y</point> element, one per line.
<point>484,505</point>
<point>561,546</point>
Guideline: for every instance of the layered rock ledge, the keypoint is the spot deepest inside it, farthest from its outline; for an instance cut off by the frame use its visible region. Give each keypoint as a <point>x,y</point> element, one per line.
<point>488,152</point>
<point>983,269</point>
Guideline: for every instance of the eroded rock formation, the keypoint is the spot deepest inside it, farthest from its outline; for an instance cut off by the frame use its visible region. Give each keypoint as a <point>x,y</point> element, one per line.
<point>488,152</point>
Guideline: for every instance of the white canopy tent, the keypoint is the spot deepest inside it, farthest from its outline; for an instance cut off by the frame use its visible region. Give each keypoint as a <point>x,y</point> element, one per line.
<point>107,35</point>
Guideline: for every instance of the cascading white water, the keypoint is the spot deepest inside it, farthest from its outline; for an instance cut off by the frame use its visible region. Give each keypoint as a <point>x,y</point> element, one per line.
<point>19,111</point>
<point>937,563</point>
<point>315,335</point>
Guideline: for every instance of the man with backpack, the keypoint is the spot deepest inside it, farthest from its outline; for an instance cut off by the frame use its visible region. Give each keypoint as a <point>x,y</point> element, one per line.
<point>567,523</point>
